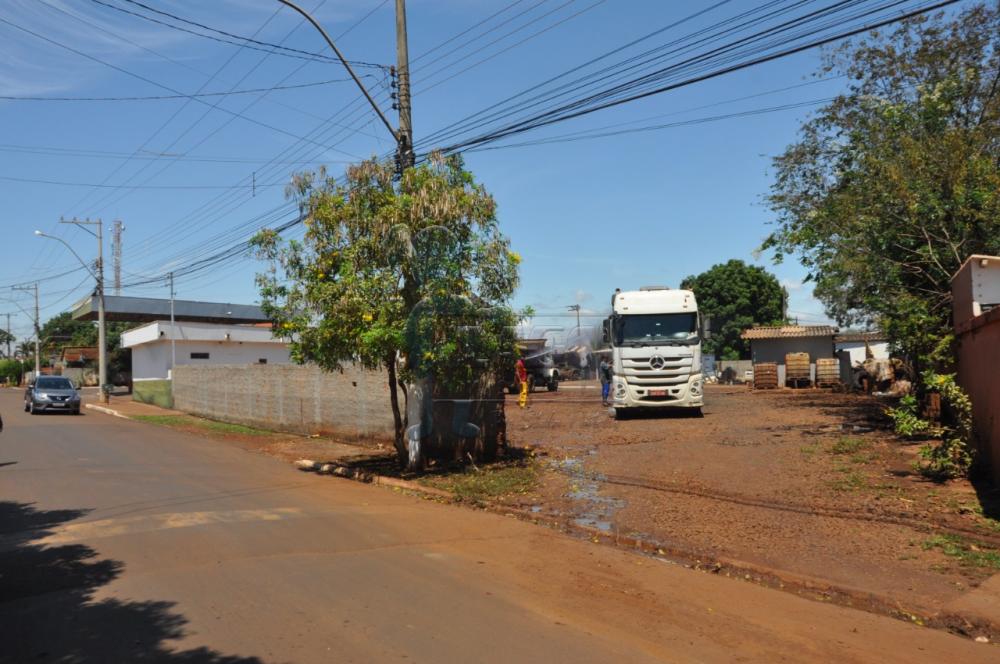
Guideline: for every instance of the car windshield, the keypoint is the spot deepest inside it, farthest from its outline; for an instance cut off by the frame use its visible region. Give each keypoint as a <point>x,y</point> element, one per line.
<point>651,328</point>
<point>54,384</point>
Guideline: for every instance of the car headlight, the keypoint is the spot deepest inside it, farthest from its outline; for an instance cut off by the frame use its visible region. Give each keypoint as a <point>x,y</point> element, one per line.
<point>42,397</point>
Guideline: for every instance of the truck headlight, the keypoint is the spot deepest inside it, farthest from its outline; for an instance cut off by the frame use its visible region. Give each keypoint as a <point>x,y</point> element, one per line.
<point>696,388</point>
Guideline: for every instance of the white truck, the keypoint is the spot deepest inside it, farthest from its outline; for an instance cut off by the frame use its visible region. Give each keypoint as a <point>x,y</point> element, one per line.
<point>655,335</point>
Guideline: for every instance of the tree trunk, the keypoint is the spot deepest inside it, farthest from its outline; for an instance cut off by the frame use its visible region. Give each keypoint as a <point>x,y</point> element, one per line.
<point>397,419</point>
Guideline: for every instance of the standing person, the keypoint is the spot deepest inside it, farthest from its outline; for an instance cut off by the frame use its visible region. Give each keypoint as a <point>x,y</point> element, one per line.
<point>522,379</point>
<point>604,371</point>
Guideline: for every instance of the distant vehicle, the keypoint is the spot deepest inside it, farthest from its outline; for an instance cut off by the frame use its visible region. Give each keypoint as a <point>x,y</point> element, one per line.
<point>538,361</point>
<point>655,335</point>
<point>748,376</point>
<point>51,393</point>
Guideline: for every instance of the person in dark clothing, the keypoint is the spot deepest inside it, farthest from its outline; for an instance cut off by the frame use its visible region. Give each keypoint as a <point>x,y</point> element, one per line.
<point>604,372</point>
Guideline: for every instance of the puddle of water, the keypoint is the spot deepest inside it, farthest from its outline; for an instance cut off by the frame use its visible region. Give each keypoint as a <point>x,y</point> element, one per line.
<point>594,510</point>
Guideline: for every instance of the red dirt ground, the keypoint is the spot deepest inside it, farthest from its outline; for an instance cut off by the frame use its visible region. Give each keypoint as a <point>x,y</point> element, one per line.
<point>809,483</point>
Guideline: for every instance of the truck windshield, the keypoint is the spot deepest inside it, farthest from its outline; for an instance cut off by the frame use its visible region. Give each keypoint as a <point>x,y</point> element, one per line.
<point>652,328</point>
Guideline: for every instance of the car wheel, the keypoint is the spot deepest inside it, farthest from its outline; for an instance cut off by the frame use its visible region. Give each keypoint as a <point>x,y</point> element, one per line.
<point>76,411</point>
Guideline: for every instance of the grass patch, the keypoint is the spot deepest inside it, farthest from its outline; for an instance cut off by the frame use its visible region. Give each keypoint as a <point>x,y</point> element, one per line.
<point>848,445</point>
<point>488,482</point>
<point>207,425</point>
<point>810,449</point>
<point>967,552</point>
<point>851,481</point>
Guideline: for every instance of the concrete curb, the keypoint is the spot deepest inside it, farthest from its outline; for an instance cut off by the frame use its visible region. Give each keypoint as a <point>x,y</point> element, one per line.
<point>105,410</point>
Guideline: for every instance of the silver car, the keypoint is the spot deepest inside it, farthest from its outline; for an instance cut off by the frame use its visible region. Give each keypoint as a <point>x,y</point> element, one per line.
<point>51,393</point>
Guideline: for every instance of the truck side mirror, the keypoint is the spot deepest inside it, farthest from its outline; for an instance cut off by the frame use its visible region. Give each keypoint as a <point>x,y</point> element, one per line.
<point>706,327</point>
<point>606,330</point>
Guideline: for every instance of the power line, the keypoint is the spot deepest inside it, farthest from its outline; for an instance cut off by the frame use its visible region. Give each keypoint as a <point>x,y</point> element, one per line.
<point>594,103</point>
<point>51,151</point>
<point>95,185</point>
<point>248,91</point>
<point>244,42</point>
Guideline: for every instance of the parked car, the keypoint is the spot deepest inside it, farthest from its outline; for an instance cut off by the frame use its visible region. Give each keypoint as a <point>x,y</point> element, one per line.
<point>51,393</point>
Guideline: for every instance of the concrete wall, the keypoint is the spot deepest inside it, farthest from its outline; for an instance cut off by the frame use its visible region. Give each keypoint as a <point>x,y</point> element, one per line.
<point>155,392</point>
<point>774,350</point>
<point>288,397</point>
<point>976,297</point>
<point>152,360</point>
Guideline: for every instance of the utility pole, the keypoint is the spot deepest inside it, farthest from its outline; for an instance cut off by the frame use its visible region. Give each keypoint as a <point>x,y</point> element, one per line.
<point>404,138</point>
<point>116,253</point>
<point>98,273</point>
<point>173,334</point>
<point>8,336</point>
<point>404,135</point>
<point>38,329</point>
<point>576,308</point>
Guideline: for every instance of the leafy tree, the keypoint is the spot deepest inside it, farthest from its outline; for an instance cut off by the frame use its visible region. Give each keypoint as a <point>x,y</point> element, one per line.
<point>736,296</point>
<point>412,276</point>
<point>894,183</point>
<point>62,330</point>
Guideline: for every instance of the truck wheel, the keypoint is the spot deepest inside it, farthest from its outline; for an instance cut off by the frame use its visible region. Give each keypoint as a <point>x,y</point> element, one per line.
<point>696,412</point>
<point>619,414</point>
<point>553,385</point>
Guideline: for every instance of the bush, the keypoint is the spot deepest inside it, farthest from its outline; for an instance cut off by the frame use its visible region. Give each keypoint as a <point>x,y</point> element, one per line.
<point>953,456</point>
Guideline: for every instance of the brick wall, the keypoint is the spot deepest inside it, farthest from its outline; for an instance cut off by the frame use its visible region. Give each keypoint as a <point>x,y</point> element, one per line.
<point>303,399</point>
<point>979,375</point>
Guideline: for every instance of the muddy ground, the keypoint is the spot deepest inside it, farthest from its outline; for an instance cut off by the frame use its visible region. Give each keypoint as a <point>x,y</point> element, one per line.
<point>810,483</point>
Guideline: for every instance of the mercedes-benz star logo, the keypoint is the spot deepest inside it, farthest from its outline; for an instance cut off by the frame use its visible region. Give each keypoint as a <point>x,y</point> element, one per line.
<point>657,362</point>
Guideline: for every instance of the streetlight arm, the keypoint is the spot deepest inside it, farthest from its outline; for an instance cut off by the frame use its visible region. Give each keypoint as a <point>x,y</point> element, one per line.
<point>343,61</point>
<point>67,245</point>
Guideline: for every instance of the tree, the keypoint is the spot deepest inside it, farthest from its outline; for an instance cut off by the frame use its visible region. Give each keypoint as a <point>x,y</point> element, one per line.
<point>736,296</point>
<point>412,276</point>
<point>6,338</point>
<point>62,330</point>
<point>894,183</point>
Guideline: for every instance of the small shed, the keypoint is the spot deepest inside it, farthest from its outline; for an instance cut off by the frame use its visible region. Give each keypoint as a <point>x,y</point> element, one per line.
<point>774,343</point>
<point>852,345</point>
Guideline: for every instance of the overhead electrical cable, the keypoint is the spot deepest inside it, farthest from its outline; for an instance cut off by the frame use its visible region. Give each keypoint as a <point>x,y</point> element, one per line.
<point>244,42</point>
<point>248,91</point>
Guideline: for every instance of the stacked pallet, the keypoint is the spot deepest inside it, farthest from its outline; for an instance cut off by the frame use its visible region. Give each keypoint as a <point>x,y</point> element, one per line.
<point>765,376</point>
<point>797,370</point>
<point>827,372</point>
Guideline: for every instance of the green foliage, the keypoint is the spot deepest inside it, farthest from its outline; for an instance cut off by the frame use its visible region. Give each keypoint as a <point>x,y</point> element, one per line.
<point>11,371</point>
<point>848,445</point>
<point>411,274</point>
<point>61,330</point>
<point>897,181</point>
<point>736,296</point>
<point>186,421</point>
<point>953,456</point>
<point>968,553</point>
<point>906,421</point>
<point>478,486</point>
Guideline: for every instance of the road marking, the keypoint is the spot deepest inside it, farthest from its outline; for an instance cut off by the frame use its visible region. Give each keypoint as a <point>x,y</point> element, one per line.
<point>87,530</point>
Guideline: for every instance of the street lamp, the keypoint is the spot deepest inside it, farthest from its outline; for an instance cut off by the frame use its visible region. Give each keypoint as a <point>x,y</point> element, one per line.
<point>98,275</point>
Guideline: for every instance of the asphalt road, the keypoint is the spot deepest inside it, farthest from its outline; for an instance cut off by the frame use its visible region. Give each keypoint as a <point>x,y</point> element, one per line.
<point>126,542</point>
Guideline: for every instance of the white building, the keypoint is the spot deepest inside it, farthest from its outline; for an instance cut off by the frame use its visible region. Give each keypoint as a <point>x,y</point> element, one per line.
<point>851,345</point>
<point>199,343</point>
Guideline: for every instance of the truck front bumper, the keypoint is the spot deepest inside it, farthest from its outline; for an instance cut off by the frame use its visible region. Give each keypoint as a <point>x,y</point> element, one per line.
<point>682,395</point>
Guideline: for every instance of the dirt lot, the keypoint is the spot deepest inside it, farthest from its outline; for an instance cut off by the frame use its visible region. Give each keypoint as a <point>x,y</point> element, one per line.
<point>809,483</point>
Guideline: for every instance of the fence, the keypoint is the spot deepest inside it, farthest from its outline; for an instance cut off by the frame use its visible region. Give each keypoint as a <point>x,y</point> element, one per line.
<point>303,399</point>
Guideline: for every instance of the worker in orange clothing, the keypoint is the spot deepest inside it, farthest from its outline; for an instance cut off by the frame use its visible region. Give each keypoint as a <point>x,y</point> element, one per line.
<point>522,379</point>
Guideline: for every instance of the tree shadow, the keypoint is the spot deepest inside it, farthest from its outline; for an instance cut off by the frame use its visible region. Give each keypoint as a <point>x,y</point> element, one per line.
<point>47,608</point>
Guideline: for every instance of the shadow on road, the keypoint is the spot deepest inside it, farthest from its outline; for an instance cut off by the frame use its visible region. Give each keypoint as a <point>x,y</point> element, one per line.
<point>47,607</point>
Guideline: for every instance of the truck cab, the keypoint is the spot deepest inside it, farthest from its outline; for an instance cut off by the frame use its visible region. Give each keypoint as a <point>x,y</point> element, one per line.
<point>655,336</point>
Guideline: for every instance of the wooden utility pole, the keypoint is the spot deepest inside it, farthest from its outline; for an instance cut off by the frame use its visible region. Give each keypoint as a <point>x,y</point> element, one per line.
<point>404,137</point>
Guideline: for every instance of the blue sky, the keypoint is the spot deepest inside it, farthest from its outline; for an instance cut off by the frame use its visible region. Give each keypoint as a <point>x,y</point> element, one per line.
<point>587,216</point>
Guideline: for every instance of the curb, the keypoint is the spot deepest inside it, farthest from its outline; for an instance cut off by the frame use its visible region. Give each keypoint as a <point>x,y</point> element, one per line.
<point>105,410</point>
<point>969,626</point>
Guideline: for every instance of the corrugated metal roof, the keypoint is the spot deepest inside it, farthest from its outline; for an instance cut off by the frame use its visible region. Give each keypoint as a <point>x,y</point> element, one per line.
<point>789,332</point>
<point>147,310</point>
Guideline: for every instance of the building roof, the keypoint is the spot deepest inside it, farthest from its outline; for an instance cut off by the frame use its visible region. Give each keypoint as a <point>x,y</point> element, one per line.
<point>79,353</point>
<point>163,331</point>
<point>789,332</point>
<point>865,335</point>
<point>148,309</point>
